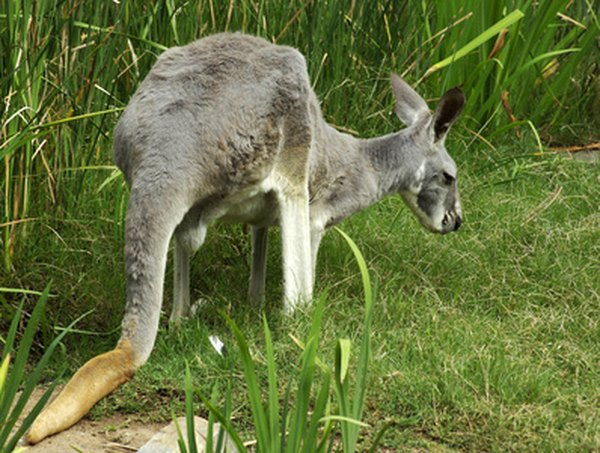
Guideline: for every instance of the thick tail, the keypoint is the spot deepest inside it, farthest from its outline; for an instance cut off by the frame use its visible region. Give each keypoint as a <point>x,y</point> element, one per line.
<point>94,380</point>
<point>148,230</point>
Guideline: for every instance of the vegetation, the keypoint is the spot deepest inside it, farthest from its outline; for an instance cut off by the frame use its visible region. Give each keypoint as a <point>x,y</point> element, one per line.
<point>16,376</point>
<point>482,340</point>
<point>301,423</point>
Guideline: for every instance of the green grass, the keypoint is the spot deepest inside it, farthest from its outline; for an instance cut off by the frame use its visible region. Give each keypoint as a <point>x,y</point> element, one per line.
<point>484,340</point>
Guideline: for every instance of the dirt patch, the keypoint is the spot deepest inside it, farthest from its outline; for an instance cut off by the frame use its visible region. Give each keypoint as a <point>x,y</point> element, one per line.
<point>116,433</point>
<point>113,434</point>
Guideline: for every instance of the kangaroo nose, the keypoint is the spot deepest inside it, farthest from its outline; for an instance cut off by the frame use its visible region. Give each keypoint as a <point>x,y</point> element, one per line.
<point>457,223</point>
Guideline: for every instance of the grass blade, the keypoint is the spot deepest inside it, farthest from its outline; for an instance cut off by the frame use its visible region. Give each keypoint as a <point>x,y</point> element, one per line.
<point>33,378</point>
<point>4,371</point>
<point>189,411</point>
<point>29,419</point>
<point>320,407</point>
<point>225,423</point>
<point>355,412</point>
<point>299,420</point>
<point>254,394</point>
<point>342,357</point>
<point>513,17</point>
<point>180,439</point>
<point>272,381</point>
<point>20,363</point>
<point>12,331</point>
<point>341,418</point>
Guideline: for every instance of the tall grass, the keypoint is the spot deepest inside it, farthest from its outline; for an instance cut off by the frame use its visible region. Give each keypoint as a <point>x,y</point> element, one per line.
<point>67,68</point>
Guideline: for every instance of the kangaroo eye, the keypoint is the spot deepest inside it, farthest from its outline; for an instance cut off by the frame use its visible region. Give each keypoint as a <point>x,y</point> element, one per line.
<point>448,178</point>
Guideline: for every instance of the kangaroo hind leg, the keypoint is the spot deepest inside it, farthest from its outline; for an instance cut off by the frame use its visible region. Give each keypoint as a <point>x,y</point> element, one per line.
<point>258,274</point>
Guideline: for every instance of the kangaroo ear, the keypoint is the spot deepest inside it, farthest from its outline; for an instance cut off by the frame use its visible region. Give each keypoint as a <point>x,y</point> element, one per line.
<point>447,111</point>
<point>409,105</point>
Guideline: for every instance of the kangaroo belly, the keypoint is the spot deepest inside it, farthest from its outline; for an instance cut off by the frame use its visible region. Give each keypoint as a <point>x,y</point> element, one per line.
<point>254,205</point>
<point>260,210</point>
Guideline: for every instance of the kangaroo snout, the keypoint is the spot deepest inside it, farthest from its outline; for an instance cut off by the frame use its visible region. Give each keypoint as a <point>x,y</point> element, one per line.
<point>451,222</point>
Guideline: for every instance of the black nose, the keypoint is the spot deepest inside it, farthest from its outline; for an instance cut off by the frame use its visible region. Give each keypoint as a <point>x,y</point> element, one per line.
<point>457,223</point>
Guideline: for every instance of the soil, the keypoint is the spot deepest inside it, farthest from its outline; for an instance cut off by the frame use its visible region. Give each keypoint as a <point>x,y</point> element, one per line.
<point>116,433</point>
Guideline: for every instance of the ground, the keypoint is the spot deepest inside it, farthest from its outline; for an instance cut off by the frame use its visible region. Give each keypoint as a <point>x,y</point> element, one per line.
<point>116,433</point>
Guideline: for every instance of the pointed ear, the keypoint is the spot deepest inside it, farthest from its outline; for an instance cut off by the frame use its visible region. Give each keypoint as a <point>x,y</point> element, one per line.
<point>447,111</point>
<point>409,105</point>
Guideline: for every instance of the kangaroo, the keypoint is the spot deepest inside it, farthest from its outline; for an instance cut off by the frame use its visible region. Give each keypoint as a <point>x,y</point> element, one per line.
<point>228,128</point>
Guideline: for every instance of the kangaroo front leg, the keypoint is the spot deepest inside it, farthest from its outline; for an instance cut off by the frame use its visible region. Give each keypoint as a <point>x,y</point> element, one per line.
<point>316,234</point>
<point>297,262</point>
<point>181,282</point>
<point>258,274</point>
<point>291,176</point>
<point>189,237</point>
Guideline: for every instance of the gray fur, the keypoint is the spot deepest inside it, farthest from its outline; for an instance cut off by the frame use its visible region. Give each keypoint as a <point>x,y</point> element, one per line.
<point>228,128</point>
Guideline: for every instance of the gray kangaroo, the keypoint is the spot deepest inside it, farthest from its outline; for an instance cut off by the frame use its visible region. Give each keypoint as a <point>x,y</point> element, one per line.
<point>228,128</point>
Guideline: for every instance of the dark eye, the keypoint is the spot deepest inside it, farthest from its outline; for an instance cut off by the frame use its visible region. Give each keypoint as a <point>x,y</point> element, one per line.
<point>448,178</point>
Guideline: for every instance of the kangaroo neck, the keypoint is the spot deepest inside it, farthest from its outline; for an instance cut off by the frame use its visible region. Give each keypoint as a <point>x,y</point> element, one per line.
<point>348,174</point>
<point>391,157</point>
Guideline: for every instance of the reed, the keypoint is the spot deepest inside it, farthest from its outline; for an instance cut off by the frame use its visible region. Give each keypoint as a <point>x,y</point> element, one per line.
<point>69,67</point>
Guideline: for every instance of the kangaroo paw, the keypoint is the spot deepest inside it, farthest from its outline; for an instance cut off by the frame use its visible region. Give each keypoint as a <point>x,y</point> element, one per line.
<point>94,380</point>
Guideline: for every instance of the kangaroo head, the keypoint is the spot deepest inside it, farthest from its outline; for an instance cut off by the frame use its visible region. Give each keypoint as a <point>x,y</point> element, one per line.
<point>430,187</point>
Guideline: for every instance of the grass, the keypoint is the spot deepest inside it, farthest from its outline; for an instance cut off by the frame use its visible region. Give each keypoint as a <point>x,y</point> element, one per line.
<point>482,340</point>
